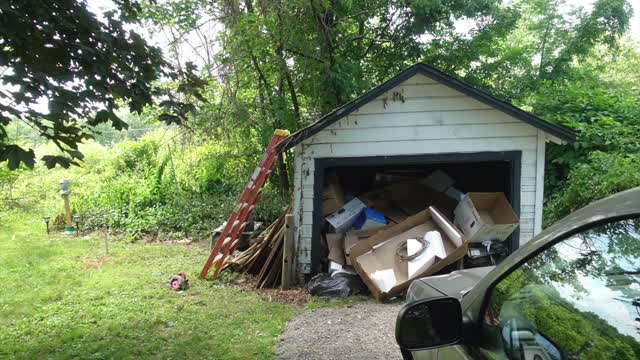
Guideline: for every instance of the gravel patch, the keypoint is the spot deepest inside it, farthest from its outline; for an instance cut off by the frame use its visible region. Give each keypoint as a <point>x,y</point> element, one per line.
<point>362,331</point>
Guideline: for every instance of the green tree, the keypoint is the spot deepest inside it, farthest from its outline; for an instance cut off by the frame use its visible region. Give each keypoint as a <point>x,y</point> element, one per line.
<point>60,54</point>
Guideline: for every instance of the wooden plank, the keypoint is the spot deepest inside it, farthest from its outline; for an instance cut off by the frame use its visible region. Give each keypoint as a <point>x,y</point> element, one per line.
<point>419,105</point>
<point>287,253</point>
<point>272,259</point>
<point>428,132</point>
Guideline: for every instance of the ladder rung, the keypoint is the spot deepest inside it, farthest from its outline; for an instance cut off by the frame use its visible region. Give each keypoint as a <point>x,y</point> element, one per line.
<point>226,241</point>
<point>217,258</point>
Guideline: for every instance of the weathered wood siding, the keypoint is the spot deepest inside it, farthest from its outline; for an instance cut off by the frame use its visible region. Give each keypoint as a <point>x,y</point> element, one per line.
<point>420,116</point>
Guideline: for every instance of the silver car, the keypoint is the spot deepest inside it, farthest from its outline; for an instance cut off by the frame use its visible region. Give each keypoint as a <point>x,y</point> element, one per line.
<point>572,292</point>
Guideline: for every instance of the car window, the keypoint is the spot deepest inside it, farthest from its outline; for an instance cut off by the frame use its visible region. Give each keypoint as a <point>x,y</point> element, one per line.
<point>579,299</point>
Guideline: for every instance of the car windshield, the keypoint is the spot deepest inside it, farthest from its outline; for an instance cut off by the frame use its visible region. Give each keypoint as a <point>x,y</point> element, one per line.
<point>578,299</point>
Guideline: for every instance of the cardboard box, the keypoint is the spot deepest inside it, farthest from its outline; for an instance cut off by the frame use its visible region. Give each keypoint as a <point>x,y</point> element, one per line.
<point>378,200</point>
<point>377,254</point>
<point>342,219</point>
<point>335,243</point>
<point>332,195</point>
<point>350,240</point>
<point>413,197</point>
<point>485,216</point>
<point>369,219</point>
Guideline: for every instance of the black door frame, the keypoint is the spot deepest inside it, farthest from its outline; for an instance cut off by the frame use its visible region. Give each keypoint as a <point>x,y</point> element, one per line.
<point>513,157</point>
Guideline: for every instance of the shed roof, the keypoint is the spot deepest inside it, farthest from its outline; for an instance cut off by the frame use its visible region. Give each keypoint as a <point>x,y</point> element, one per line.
<point>448,80</point>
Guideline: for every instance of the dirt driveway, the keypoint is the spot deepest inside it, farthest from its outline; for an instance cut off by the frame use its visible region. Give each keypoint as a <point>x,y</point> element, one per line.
<point>362,331</point>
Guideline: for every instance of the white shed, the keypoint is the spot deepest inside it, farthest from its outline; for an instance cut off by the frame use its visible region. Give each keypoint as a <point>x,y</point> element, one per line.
<point>423,117</point>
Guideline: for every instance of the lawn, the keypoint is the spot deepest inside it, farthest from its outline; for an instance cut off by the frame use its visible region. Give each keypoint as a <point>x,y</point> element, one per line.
<point>62,298</point>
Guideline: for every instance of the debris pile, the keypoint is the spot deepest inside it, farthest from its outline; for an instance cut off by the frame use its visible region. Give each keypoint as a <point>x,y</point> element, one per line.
<point>390,228</point>
<point>264,257</point>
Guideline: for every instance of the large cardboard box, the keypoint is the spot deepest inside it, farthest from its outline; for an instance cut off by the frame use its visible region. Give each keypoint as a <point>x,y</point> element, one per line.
<point>485,216</point>
<point>413,197</point>
<point>377,254</point>
<point>335,243</point>
<point>332,195</point>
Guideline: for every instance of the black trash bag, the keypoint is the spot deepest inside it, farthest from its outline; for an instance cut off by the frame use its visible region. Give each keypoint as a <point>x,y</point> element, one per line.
<point>339,285</point>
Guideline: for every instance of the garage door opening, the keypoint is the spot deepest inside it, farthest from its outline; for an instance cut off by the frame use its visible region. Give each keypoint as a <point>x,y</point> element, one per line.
<point>366,176</point>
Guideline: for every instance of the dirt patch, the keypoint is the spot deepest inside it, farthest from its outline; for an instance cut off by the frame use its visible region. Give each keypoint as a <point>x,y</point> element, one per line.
<point>296,296</point>
<point>361,331</point>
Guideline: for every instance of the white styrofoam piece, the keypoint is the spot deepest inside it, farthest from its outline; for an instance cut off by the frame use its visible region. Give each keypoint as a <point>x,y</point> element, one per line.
<point>427,258</point>
<point>385,279</point>
<point>334,267</point>
<point>454,193</point>
<point>345,269</point>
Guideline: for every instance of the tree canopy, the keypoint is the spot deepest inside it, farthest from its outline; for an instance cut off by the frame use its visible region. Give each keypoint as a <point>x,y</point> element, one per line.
<point>58,54</point>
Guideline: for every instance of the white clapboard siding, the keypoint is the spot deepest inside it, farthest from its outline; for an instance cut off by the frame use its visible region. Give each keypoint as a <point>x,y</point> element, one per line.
<point>429,132</point>
<point>419,91</point>
<point>437,146</point>
<point>419,105</point>
<point>420,116</point>
<point>419,79</point>
<point>454,117</point>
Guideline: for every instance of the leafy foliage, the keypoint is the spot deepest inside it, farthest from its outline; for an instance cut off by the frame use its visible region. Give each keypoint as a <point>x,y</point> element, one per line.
<point>132,187</point>
<point>603,175</point>
<point>59,54</point>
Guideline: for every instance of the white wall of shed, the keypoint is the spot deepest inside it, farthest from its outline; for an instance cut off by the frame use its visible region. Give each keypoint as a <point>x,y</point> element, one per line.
<point>420,116</point>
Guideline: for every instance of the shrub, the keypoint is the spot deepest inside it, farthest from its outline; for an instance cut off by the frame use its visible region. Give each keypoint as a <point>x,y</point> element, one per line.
<point>603,175</point>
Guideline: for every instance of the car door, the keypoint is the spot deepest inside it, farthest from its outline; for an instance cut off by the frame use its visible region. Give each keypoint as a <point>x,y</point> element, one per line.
<point>577,298</point>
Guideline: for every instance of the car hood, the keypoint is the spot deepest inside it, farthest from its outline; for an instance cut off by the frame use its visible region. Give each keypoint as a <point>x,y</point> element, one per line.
<point>455,284</point>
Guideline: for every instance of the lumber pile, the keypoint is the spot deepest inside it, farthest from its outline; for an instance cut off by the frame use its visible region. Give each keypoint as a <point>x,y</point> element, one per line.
<point>264,258</point>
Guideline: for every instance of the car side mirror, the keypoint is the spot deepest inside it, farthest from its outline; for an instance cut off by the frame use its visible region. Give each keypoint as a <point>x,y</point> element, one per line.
<point>427,324</point>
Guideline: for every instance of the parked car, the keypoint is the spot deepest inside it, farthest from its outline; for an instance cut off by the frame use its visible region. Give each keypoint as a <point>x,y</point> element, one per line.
<point>572,292</point>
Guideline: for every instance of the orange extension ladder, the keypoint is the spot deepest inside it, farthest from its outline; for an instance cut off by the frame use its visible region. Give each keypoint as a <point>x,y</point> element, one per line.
<point>232,231</point>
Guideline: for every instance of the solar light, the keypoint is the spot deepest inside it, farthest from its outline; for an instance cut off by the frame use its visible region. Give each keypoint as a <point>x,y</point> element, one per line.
<point>46,220</point>
<point>76,219</point>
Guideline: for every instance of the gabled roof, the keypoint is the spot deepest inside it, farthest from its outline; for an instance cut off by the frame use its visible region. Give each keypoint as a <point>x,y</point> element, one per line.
<point>435,74</point>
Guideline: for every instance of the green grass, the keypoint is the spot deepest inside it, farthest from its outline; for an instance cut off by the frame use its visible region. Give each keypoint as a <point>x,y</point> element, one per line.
<point>58,301</point>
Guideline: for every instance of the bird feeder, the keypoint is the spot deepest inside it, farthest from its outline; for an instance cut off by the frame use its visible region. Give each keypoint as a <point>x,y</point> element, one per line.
<point>64,192</point>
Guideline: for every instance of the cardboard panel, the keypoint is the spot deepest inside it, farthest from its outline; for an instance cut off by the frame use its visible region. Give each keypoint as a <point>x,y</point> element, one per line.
<point>378,253</point>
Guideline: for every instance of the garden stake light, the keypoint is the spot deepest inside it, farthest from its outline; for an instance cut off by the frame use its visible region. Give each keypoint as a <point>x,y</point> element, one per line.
<point>76,219</point>
<point>46,221</point>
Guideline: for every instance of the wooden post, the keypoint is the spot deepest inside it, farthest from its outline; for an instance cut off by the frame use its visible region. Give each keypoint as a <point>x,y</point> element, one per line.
<point>67,210</point>
<point>287,252</point>
<point>106,240</point>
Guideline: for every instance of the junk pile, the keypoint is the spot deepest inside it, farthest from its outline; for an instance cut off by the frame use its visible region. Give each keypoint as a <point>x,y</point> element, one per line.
<point>407,227</point>
<point>264,257</point>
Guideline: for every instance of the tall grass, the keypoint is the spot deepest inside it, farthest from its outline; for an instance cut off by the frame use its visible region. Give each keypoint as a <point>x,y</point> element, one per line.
<point>159,185</point>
